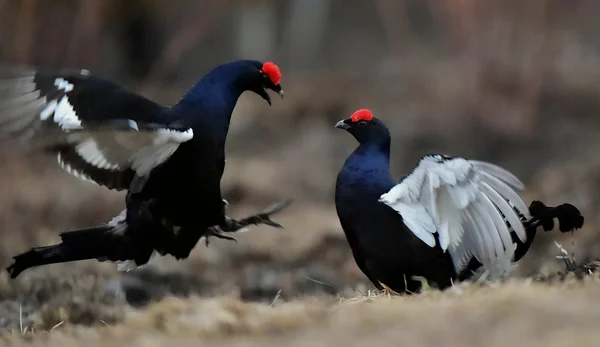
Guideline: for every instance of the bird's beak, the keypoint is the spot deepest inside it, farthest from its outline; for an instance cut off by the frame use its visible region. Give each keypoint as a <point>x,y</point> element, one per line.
<point>265,94</point>
<point>277,89</point>
<point>342,125</point>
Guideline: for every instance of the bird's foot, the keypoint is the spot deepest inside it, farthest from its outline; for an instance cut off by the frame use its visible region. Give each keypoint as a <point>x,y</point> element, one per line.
<point>264,217</point>
<point>218,233</point>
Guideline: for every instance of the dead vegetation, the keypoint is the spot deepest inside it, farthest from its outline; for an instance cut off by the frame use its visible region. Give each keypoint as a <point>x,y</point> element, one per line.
<point>522,313</point>
<point>517,86</point>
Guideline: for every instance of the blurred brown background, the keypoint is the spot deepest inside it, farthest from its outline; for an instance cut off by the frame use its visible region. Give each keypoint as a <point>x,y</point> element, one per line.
<point>513,82</point>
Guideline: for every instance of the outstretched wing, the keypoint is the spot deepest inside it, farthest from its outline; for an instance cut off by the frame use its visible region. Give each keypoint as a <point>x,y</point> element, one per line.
<point>99,130</point>
<point>468,203</point>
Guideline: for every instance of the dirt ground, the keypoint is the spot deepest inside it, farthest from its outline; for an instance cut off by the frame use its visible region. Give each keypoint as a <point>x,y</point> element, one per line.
<point>520,314</point>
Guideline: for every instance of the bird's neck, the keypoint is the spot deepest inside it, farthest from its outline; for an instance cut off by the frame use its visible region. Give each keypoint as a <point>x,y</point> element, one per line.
<point>368,168</point>
<point>210,102</point>
<point>372,156</point>
<point>377,148</point>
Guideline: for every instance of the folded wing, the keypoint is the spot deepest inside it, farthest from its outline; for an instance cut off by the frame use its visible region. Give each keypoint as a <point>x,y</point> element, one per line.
<point>99,130</point>
<point>468,203</point>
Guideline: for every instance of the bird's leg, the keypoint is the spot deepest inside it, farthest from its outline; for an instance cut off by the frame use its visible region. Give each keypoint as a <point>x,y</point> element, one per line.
<point>264,217</point>
<point>232,225</point>
<point>225,206</point>
<point>216,232</point>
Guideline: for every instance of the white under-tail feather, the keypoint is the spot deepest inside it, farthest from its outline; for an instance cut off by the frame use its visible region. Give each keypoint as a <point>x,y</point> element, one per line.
<point>119,224</point>
<point>128,265</point>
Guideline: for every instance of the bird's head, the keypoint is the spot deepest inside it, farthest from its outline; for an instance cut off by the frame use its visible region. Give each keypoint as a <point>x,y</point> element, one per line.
<point>364,127</point>
<point>262,77</point>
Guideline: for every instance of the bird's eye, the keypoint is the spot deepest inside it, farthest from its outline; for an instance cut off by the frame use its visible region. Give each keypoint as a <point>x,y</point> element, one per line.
<point>363,122</point>
<point>265,78</point>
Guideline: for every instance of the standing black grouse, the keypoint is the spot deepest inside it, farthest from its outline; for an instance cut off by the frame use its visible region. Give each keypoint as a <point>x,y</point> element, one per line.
<point>446,219</point>
<point>169,159</point>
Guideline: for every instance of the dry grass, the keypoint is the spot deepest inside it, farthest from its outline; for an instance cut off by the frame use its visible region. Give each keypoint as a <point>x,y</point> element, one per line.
<point>304,279</point>
<point>517,313</point>
<point>522,96</point>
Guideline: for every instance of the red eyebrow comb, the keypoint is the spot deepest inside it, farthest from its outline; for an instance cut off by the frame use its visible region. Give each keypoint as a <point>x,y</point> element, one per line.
<point>272,70</point>
<point>362,114</point>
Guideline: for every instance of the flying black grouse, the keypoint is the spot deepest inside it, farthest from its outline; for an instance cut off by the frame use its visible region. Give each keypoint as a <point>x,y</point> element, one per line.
<point>443,221</point>
<point>169,159</point>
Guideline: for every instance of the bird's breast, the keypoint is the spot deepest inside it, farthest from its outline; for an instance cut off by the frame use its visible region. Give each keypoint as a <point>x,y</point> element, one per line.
<point>187,187</point>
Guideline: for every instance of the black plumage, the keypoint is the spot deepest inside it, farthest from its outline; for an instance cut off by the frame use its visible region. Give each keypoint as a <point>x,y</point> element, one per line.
<point>446,219</point>
<point>170,160</point>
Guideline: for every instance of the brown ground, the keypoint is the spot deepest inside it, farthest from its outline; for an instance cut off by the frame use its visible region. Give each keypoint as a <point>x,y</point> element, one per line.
<point>284,288</point>
<point>276,288</point>
<point>521,314</point>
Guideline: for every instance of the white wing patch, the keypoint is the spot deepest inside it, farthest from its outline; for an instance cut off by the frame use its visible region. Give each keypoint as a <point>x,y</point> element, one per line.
<point>119,150</point>
<point>71,170</point>
<point>64,114</point>
<point>48,110</point>
<point>63,84</point>
<point>21,102</point>
<point>29,107</point>
<point>468,203</point>
<point>140,151</point>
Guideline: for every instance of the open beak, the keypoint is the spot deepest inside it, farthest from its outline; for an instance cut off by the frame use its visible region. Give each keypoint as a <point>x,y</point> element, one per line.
<point>342,125</point>
<point>277,89</point>
<point>266,96</point>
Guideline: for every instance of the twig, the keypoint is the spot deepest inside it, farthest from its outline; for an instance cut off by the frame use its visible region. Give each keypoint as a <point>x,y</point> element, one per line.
<point>321,283</point>
<point>566,257</point>
<point>21,318</point>
<point>276,297</point>
<point>57,325</point>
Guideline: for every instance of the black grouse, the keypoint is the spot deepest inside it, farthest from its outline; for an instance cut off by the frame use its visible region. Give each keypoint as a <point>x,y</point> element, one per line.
<point>170,160</point>
<point>443,221</point>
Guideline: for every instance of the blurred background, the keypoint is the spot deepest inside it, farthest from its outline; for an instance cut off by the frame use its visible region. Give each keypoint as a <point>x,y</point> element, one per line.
<point>511,82</point>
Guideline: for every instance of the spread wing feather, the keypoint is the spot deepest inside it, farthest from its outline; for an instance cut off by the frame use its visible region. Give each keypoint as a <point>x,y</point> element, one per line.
<point>472,205</point>
<point>99,130</point>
